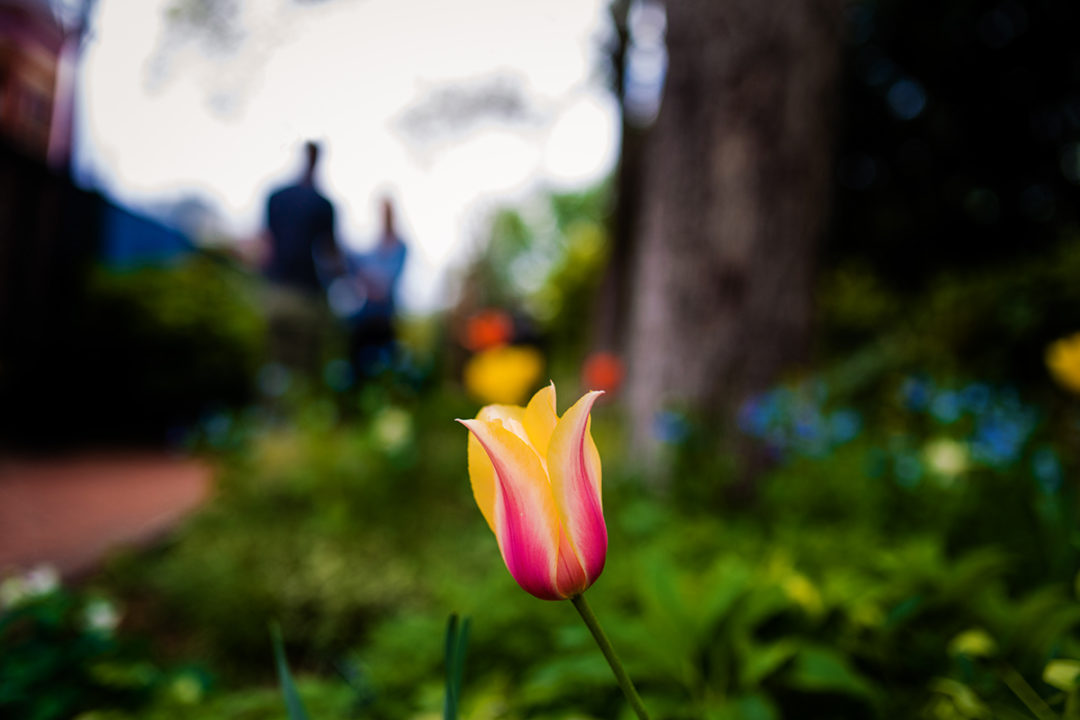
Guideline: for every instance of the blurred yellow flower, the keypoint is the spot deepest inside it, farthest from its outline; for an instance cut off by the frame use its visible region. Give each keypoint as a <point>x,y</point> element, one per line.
<point>503,375</point>
<point>1063,360</point>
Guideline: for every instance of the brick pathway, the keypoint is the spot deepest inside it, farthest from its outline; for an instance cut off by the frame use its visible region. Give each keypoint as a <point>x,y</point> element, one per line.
<point>70,512</point>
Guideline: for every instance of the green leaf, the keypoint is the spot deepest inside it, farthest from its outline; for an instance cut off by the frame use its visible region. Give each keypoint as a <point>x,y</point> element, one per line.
<point>961,698</point>
<point>293,705</point>
<point>457,638</point>
<point>566,675</point>
<point>726,583</point>
<point>761,661</point>
<point>1072,706</point>
<point>823,670</point>
<point>747,707</point>
<point>973,643</point>
<point>1062,674</point>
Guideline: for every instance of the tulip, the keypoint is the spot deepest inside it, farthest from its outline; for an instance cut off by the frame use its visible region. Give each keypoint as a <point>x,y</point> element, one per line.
<point>536,479</point>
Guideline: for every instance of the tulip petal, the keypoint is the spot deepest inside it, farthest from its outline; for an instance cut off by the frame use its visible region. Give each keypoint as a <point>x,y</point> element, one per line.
<point>570,577</point>
<point>540,418</point>
<point>525,519</point>
<point>574,467</point>
<point>481,471</point>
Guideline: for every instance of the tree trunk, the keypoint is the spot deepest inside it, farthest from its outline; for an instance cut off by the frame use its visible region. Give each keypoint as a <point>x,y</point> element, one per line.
<point>615,291</point>
<point>734,201</point>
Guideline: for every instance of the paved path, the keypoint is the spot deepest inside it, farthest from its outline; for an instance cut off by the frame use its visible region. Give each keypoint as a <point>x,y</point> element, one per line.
<point>70,512</point>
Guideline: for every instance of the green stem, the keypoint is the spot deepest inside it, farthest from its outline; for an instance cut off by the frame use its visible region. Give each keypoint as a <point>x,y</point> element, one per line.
<point>609,652</point>
<point>1027,695</point>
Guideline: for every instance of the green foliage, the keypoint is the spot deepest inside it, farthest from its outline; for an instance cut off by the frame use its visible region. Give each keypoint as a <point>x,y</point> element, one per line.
<point>843,591</point>
<point>835,594</point>
<point>546,259</point>
<point>873,575</point>
<point>176,332</point>
<point>993,324</point>
<point>323,697</point>
<point>300,533</point>
<point>160,347</point>
<point>148,352</point>
<point>60,656</point>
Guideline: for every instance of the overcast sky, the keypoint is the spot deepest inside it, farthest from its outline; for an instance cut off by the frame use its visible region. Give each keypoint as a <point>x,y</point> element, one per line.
<point>164,114</point>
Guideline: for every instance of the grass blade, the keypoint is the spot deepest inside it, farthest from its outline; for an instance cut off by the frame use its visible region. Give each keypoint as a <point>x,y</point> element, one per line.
<point>293,705</point>
<point>457,638</point>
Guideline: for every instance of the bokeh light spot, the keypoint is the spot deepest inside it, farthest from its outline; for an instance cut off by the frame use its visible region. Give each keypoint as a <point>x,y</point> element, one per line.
<point>906,98</point>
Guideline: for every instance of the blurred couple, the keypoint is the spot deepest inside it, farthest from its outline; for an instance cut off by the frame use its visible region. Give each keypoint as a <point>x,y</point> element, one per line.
<point>310,272</point>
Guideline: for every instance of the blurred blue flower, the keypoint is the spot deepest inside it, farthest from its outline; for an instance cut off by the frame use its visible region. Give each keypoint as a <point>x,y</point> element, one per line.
<point>915,393</point>
<point>946,407</point>
<point>844,425</point>
<point>755,415</point>
<point>1046,467</point>
<point>807,426</point>
<point>975,397</point>
<point>811,433</point>
<point>217,428</point>
<point>1000,436</point>
<point>908,469</point>
<point>670,427</point>
<point>794,419</point>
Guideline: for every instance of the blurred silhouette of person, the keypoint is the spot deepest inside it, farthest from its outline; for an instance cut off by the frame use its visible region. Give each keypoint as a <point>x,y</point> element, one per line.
<point>378,272</point>
<point>300,229</point>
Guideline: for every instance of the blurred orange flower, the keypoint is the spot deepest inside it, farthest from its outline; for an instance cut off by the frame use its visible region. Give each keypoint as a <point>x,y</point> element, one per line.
<point>602,371</point>
<point>487,329</point>
<point>1063,361</point>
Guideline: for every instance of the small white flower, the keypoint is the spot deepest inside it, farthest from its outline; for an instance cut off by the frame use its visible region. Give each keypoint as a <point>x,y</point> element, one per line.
<point>947,458</point>
<point>101,615</point>
<point>42,580</point>
<point>393,428</point>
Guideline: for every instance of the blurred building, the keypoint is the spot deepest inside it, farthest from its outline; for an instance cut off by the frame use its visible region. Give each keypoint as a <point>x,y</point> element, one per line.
<point>52,233</point>
<point>32,58</point>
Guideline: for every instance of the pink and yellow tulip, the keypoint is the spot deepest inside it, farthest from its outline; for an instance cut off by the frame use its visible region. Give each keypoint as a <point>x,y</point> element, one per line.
<point>536,479</point>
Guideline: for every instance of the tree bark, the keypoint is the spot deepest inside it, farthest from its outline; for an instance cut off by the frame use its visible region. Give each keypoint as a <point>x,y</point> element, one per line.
<point>734,202</point>
<point>613,296</point>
